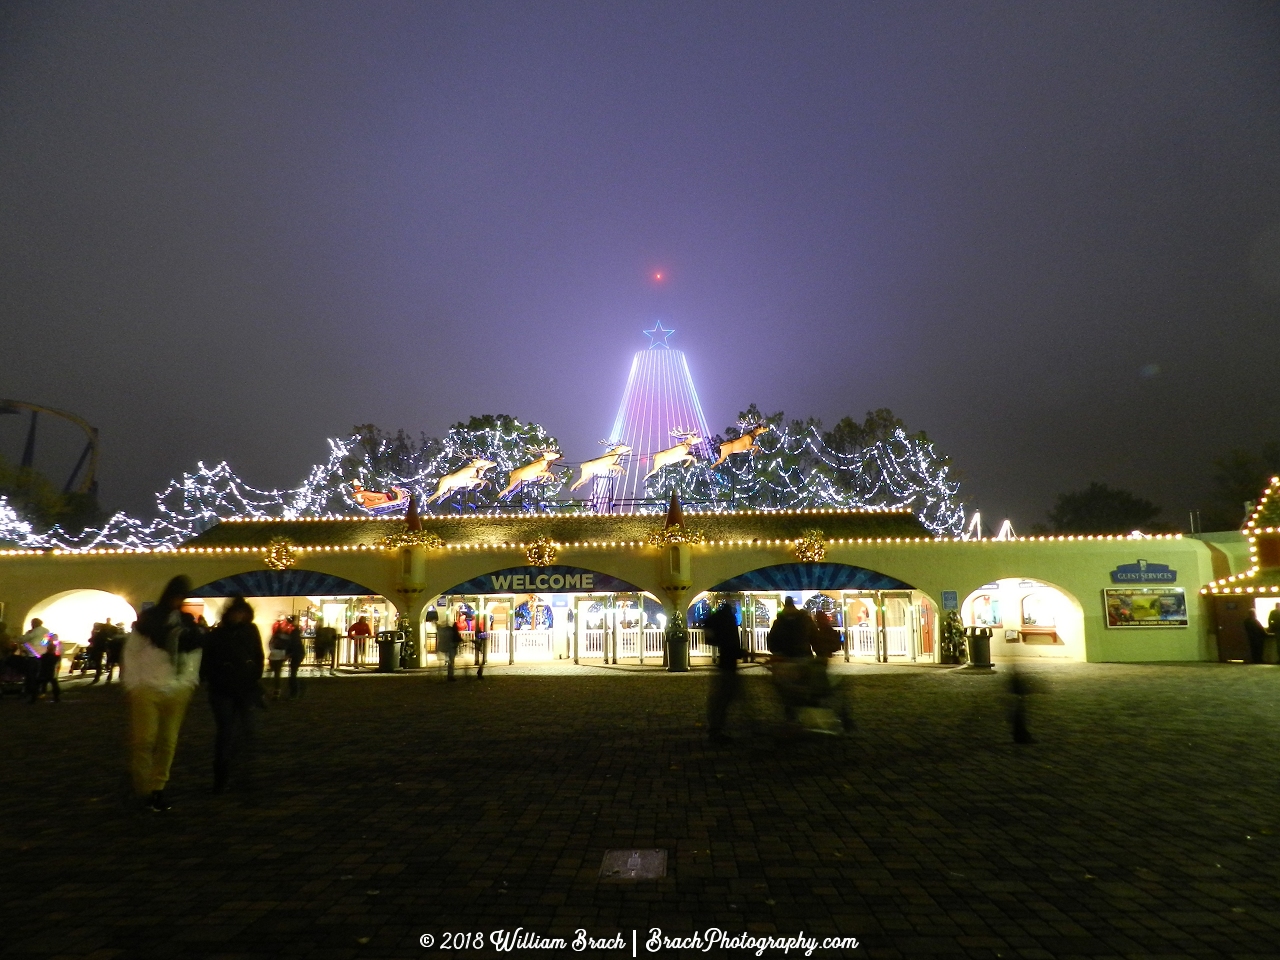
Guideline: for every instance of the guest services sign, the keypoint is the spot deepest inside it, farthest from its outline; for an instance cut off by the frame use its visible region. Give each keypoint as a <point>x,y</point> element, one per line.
<point>1143,572</point>
<point>553,579</point>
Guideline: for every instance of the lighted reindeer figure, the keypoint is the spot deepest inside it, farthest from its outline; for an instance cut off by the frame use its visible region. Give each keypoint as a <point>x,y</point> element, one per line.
<point>470,477</point>
<point>539,471</point>
<point>605,466</point>
<point>681,453</point>
<point>743,444</point>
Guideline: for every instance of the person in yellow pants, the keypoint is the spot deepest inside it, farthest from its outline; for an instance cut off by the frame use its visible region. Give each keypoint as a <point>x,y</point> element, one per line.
<point>160,670</point>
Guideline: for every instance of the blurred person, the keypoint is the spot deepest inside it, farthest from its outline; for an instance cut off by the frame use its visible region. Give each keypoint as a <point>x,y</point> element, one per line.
<point>792,632</point>
<point>159,669</point>
<point>48,668</point>
<point>231,668</point>
<point>8,645</point>
<point>97,650</point>
<point>481,646</point>
<point>277,655</point>
<point>1019,688</point>
<point>726,686</point>
<point>1256,635</point>
<point>826,641</point>
<point>296,650</point>
<point>115,647</point>
<point>31,648</point>
<point>448,639</point>
<point>326,648</point>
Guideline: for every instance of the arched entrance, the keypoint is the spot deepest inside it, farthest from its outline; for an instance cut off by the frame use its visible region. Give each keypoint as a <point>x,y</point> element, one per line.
<point>72,614</point>
<point>1027,618</point>
<point>313,599</point>
<point>879,617</point>
<point>555,612</point>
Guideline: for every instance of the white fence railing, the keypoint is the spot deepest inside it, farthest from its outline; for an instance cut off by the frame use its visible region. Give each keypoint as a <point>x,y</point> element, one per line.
<point>698,645</point>
<point>898,640</point>
<point>591,645</point>
<point>533,645</point>
<point>357,652</point>
<point>861,640</point>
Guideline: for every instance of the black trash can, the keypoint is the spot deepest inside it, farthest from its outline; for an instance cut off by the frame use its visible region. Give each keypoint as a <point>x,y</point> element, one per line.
<point>389,642</point>
<point>979,639</point>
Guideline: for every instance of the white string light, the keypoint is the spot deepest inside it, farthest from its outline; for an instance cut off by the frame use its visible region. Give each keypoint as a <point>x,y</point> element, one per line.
<point>793,470</point>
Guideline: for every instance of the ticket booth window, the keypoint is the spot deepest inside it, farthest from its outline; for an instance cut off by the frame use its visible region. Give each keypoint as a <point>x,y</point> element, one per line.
<point>986,610</point>
<point>1039,610</point>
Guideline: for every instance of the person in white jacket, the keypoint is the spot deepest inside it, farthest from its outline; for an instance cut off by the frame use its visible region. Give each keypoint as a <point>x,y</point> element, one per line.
<point>160,670</point>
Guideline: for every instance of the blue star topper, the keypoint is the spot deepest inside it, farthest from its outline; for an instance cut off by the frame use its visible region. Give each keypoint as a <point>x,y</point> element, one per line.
<point>658,336</point>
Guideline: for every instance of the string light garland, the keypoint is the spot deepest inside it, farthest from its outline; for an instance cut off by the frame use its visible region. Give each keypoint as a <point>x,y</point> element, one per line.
<point>792,471</point>
<point>412,538</point>
<point>677,533</point>
<point>792,467</point>
<point>1264,521</point>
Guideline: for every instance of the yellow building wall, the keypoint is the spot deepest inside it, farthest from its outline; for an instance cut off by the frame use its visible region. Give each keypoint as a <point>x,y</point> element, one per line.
<point>1080,568</point>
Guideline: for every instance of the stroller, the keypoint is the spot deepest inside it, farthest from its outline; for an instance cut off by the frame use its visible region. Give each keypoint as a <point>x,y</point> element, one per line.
<point>810,696</point>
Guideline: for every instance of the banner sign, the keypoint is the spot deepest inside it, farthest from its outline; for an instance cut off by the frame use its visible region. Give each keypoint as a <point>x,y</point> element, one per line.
<point>553,579</point>
<point>1145,606</point>
<point>1143,572</point>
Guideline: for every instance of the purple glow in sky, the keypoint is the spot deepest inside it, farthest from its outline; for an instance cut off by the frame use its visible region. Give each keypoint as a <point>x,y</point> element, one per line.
<point>1047,234</point>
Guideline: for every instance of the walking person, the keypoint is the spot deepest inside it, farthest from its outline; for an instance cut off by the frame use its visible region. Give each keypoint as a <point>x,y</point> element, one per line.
<point>326,648</point>
<point>447,642</point>
<point>160,668</point>
<point>726,686</point>
<point>790,640</point>
<point>231,669</point>
<point>31,649</point>
<point>277,654</point>
<point>49,666</point>
<point>115,648</point>
<point>1255,634</point>
<point>481,646</point>
<point>296,650</point>
<point>97,651</point>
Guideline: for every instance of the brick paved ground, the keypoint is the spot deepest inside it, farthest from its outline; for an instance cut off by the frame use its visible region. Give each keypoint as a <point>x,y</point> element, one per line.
<point>1145,822</point>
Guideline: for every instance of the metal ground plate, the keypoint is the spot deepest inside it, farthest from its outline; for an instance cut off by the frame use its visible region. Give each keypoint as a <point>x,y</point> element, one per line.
<point>633,865</point>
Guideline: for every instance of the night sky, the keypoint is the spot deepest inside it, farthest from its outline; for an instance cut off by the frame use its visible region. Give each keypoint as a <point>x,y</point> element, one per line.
<point>1047,234</point>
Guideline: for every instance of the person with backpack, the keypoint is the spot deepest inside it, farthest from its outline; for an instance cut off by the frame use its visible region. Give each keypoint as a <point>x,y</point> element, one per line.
<point>231,669</point>
<point>160,668</point>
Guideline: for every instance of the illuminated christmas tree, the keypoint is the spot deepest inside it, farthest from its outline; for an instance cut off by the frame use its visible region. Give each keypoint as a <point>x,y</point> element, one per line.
<point>659,411</point>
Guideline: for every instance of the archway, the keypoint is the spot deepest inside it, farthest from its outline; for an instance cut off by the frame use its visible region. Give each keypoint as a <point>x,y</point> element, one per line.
<point>879,617</point>
<point>1027,618</point>
<point>72,614</point>
<point>313,599</point>
<point>552,613</point>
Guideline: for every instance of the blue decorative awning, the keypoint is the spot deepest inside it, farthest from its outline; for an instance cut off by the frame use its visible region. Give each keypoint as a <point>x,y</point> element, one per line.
<point>283,583</point>
<point>810,576</point>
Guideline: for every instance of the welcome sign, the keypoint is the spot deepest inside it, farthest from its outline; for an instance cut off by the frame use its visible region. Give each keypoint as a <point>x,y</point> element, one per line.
<point>1143,572</point>
<point>553,579</point>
